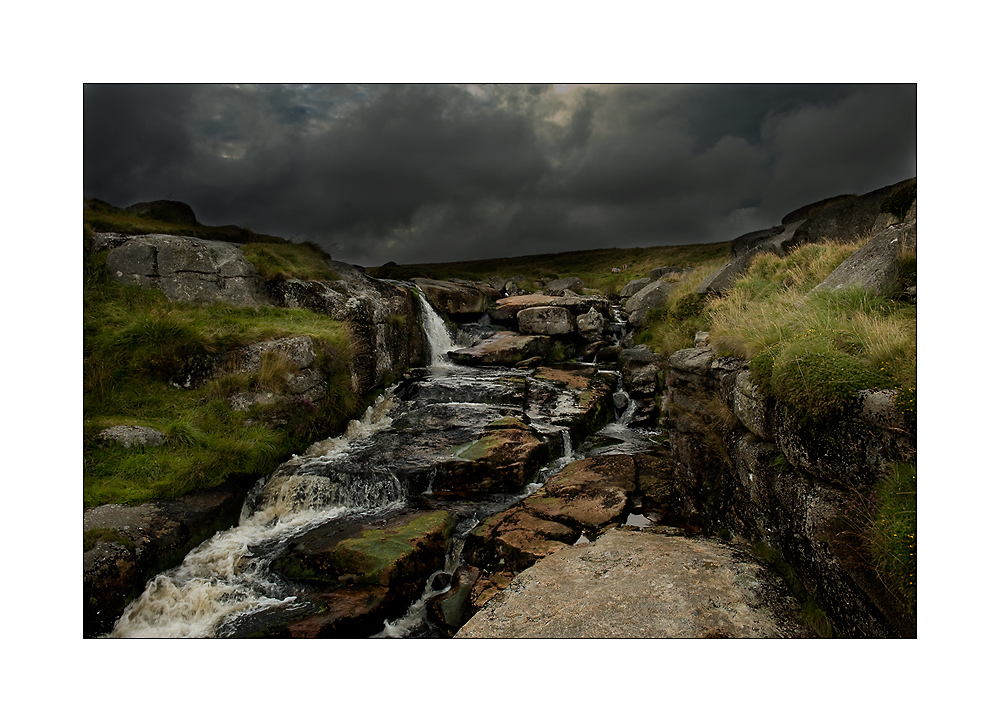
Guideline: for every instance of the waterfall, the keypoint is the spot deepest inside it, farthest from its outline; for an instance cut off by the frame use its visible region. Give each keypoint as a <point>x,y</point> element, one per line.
<point>439,341</point>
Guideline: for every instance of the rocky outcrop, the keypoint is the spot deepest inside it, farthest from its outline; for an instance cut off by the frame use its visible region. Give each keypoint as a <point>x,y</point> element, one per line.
<point>738,461</point>
<point>842,217</point>
<point>743,251</point>
<point>125,546</point>
<point>875,266</point>
<point>630,584</point>
<point>506,309</point>
<point>854,216</point>
<point>188,269</point>
<point>383,317</point>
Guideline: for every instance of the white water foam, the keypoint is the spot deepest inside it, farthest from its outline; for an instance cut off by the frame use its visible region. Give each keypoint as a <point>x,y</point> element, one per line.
<point>436,332</point>
<point>224,577</point>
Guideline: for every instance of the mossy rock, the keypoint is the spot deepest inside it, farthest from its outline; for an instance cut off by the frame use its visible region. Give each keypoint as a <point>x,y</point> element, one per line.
<point>405,549</point>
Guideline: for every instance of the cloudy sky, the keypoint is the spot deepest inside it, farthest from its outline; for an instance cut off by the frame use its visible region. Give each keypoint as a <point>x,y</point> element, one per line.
<point>459,172</point>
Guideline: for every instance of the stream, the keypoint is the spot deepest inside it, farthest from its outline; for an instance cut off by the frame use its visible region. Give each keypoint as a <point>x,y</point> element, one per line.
<point>384,463</point>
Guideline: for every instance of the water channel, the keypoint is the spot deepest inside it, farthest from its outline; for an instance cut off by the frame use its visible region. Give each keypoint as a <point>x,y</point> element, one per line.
<point>226,587</point>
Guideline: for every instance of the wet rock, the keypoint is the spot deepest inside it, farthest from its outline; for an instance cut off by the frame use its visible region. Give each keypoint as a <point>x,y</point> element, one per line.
<point>579,399</point>
<point>505,456</point>
<point>630,584</point>
<point>504,348</point>
<point>399,553</point>
<point>586,494</point>
<point>515,539</point>
<point>640,372</point>
<point>545,321</point>
<point>451,609</point>
<point>352,612</point>
<point>131,436</point>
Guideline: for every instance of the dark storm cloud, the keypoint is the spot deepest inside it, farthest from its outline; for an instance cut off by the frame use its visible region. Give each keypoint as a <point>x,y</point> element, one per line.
<point>435,172</point>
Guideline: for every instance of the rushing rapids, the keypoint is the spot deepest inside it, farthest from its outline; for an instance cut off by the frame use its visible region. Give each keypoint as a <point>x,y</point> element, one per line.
<point>397,452</point>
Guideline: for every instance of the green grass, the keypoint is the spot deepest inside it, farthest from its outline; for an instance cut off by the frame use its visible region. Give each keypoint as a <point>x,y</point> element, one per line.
<point>815,351</point>
<point>136,343</point>
<point>290,260</point>
<point>883,521</point>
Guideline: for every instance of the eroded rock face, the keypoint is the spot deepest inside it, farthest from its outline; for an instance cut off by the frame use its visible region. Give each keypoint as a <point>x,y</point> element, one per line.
<point>188,269</point>
<point>741,461</point>
<point>631,584</point>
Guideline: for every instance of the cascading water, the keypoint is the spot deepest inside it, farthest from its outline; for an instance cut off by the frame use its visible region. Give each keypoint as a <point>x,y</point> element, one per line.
<point>436,333</point>
<point>226,586</point>
<point>229,575</point>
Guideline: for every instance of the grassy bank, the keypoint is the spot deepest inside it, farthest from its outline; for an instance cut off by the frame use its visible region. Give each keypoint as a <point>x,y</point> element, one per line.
<point>137,344</point>
<point>814,352</point>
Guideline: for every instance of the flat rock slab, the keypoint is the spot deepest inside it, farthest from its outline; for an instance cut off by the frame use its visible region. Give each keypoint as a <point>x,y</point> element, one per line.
<point>631,584</point>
